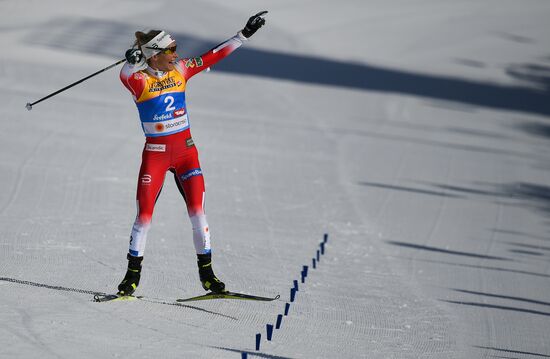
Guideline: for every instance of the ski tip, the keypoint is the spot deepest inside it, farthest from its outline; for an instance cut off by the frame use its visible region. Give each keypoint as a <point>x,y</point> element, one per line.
<point>98,298</point>
<point>104,297</point>
<point>229,295</point>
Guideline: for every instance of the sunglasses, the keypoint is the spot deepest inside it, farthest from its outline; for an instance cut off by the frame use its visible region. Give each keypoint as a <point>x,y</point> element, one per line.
<point>166,51</point>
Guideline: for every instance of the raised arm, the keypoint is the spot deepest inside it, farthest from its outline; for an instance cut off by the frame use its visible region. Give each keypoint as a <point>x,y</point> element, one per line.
<point>194,65</point>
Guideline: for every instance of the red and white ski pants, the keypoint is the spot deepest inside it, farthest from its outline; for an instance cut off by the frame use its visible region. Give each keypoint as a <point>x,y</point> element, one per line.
<point>175,153</point>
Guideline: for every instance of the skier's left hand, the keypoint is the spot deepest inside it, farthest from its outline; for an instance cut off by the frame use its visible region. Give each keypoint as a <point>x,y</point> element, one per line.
<point>253,24</point>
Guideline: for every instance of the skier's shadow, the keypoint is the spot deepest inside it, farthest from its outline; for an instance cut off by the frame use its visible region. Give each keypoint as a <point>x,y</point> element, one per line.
<point>93,293</point>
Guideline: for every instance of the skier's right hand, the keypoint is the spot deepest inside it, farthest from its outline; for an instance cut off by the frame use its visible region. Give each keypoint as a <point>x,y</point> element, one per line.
<point>134,56</point>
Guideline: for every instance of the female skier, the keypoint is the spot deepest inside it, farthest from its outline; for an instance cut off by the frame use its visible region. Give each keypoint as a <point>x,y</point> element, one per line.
<point>157,80</point>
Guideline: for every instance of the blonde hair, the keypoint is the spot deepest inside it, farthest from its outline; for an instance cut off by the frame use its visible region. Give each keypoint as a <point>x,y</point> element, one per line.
<point>143,38</point>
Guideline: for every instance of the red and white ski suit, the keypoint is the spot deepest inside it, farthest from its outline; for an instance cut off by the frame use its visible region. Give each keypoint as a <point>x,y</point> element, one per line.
<point>160,99</point>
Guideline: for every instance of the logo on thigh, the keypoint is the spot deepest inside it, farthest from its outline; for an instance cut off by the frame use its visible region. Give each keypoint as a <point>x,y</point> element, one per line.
<point>192,173</point>
<point>146,179</point>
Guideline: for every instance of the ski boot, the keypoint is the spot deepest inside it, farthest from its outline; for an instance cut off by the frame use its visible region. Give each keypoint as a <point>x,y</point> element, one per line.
<point>208,278</point>
<point>131,279</point>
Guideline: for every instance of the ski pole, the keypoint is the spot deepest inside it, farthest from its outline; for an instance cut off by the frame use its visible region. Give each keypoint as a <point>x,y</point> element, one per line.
<point>30,105</point>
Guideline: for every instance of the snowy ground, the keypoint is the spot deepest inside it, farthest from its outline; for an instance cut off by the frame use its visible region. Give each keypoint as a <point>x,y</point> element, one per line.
<point>414,133</point>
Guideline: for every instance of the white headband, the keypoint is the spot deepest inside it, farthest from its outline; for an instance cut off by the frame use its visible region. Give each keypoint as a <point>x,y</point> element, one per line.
<point>161,41</point>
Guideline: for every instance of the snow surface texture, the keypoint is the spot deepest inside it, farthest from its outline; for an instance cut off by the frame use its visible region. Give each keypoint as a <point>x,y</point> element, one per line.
<point>415,133</point>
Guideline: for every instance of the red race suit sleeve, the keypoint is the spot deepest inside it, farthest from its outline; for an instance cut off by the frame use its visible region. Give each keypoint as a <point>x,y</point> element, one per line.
<point>132,79</point>
<point>193,65</point>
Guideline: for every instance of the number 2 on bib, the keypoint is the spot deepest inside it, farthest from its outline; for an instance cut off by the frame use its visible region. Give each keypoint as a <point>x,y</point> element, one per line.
<point>170,101</point>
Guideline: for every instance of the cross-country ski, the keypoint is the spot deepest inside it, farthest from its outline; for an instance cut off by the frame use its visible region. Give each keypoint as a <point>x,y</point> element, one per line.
<point>228,295</point>
<point>207,296</point>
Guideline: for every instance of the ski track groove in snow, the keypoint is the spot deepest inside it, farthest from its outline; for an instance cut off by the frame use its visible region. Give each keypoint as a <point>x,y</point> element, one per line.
<point>256,180</point>
<point>21,170</point>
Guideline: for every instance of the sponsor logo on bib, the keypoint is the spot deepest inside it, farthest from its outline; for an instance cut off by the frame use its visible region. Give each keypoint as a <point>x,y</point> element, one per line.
<point>179,112</point>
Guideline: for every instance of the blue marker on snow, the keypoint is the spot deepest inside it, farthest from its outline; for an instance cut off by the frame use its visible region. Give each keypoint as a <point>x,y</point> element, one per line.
<point>258,339</point>
<point>279,320</point>
<point>269,330</point>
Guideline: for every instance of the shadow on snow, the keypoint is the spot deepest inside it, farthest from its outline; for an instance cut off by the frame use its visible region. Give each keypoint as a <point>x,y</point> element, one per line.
<point>113,38</point>
<point>499,269</point>
<point>252,354</point>
<point>520,299</point>
<point>445,251</point>
<point>513,351</point>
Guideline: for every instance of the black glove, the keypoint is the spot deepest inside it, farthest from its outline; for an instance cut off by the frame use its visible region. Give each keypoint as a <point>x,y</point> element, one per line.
<point>133,56</point>
<point>253,24</point>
